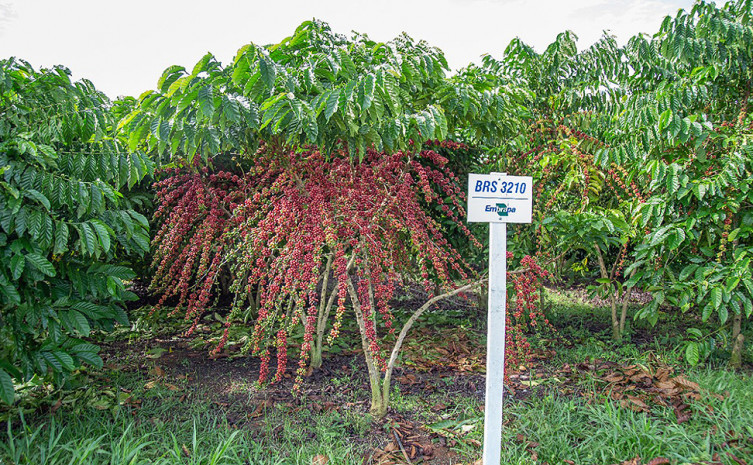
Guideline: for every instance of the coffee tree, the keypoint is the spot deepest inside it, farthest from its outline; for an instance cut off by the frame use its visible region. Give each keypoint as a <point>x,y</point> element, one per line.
<point>309,172</point>
<point>65,221</point>
<point>580,208</point>
<point>657,133</point>
<point>685,132</point>
<point>603,233</point>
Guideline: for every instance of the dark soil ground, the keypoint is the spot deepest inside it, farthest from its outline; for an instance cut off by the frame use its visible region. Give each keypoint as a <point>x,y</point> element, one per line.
<point>229,384</point>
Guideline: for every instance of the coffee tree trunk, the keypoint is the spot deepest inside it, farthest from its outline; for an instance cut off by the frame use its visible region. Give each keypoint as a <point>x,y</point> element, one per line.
<point>482,299</point>
<point>616,330</point>
<point>625,302</point>
<point>380,379</point>
<point>736,358</point>
<point>326,302</point>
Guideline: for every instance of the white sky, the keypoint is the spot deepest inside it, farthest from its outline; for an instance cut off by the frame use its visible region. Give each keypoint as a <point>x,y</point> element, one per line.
<point>123,46</point>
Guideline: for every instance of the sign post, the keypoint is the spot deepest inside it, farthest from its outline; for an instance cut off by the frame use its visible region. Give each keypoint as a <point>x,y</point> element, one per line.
<point>497,199</point>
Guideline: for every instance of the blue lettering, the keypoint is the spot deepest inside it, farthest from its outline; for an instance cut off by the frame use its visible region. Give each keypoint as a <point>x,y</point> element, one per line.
<point>478,186</point>
<point>494,186</point>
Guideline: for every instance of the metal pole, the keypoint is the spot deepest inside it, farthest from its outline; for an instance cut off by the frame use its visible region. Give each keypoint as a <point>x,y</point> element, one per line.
<point>495,345</point>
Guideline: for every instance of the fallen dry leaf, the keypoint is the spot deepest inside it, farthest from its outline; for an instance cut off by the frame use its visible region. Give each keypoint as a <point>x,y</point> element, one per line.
<point>410,379</point>
<point>320,460</point>
<point>637,404</point>
<point>684,382</point>
<point>737,459</point>
<point>659,461</point>
<point>259,410</point>
<point>666,385</point>
<point>439,406</point>
<point>662,374</point>
<point>682,413</point>
<point>614,378</point>
<point>57,405</point>
<point>693,395</point>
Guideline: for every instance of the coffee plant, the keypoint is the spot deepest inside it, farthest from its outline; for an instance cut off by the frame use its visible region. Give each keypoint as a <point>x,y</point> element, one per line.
<point>309,174</point>
<point>65,222</point>
<point>581,211</point>
<point>298,220</point>
<point>684,131</point>
<point>656,133</point>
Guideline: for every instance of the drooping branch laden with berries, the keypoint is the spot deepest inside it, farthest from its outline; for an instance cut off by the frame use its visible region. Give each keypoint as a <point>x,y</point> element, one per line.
<point>305,236</point>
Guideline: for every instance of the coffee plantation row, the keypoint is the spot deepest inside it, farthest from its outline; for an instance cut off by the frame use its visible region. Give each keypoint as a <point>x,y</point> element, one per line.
<point>308,180</point>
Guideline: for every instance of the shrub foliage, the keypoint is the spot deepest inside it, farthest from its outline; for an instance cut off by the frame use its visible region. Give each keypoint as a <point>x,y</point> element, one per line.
<point>64,222</point>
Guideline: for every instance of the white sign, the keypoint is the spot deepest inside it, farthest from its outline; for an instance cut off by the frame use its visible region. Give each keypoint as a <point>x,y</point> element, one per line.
<point>497,198</point>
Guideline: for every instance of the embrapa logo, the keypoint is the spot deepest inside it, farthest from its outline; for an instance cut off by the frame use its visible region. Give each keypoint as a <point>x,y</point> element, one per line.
<point>501,209</point>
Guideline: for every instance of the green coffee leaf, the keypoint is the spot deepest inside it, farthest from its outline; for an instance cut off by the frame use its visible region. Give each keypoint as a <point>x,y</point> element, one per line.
<point>7,391</point>
<point>41,263</point>
<point>692,353</point>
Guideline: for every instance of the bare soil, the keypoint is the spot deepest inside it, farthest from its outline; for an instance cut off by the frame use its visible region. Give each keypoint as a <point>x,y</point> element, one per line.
<point>229,384</point>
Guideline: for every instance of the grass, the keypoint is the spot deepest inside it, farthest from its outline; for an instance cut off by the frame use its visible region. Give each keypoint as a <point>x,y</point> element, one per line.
<point>550,427</point>
<point>205,438</point>
<point>193,425</point>
<point>604,432</point>
<point>562,427</point>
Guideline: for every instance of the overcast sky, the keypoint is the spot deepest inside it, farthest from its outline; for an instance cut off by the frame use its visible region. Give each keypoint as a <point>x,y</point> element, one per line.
<point>123,46</point>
